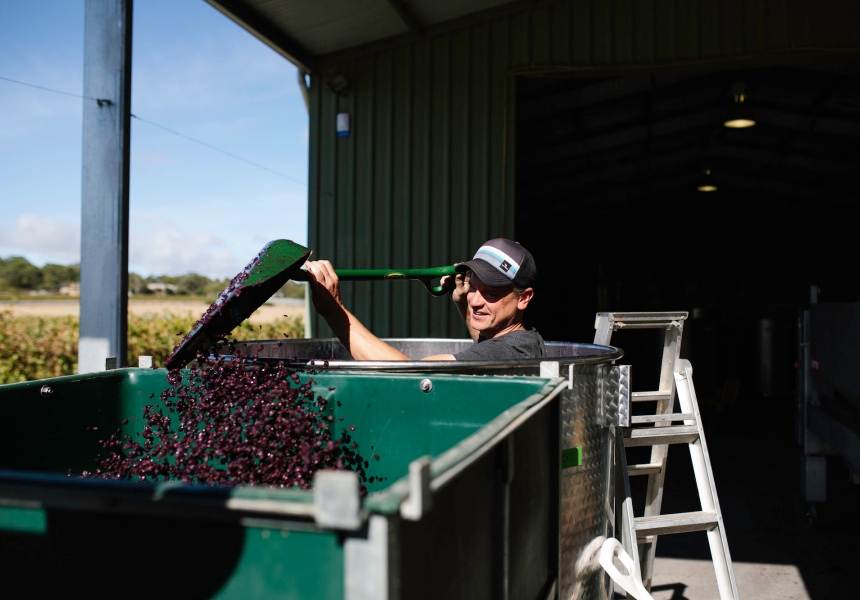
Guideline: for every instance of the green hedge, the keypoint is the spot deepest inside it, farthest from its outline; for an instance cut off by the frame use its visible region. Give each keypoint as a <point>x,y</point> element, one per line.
<point>41,347</point>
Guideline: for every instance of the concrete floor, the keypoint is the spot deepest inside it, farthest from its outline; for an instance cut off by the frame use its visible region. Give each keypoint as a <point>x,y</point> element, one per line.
<point>779,552</point>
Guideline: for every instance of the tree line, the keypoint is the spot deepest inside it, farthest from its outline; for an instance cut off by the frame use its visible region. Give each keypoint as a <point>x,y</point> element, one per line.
<point>18,275</point>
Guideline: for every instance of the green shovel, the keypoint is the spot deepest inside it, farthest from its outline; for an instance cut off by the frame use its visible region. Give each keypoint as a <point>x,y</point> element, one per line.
<point>278,262</point>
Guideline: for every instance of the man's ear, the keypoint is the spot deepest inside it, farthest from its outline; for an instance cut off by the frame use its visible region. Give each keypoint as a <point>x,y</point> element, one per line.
<point>525,298</point>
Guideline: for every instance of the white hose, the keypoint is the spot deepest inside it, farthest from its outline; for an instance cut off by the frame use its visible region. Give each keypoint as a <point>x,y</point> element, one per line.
<point>631,581</point>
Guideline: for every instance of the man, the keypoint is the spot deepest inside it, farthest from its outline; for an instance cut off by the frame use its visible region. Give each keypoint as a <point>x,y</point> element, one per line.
<point>491,292</point>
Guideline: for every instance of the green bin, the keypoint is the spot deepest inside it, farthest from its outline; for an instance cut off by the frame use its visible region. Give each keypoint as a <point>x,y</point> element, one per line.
<point>465,503</point>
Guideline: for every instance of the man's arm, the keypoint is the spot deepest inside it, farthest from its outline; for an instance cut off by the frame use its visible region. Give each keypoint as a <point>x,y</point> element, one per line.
<point>359,341</point>
<point>440,357</point>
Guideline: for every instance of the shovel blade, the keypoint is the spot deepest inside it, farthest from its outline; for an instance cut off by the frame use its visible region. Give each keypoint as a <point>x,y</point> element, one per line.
<point>273,266</point>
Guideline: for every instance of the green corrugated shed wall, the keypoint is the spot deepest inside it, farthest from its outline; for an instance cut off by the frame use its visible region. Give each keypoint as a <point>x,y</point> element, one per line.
<point>426,174</point>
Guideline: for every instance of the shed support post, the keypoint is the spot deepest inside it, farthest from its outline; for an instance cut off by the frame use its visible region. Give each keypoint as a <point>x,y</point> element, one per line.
<point>105,178</point>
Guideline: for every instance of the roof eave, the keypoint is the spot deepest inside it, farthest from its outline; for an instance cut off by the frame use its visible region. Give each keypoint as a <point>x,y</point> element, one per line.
<point>262,29</point>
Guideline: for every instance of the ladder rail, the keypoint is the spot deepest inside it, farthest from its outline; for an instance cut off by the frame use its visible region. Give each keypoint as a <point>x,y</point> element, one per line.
<point>660,453</point>
<point>706,485</point>
<point>624,519</point>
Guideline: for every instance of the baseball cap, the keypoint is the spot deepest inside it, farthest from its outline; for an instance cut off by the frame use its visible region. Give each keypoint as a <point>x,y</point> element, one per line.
<point>500,262</point>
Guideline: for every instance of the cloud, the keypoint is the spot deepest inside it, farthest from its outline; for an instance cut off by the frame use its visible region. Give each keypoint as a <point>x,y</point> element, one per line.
<point>215,235</point>
<point>157,247</point>
<point>51,240</point>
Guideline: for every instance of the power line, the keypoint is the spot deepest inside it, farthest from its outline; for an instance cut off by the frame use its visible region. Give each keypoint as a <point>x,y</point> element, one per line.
<point>182,135</point>
<point>102,101</point>
<point>39,87</point>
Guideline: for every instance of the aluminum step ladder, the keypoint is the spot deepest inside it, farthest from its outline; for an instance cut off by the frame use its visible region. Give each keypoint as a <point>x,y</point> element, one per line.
<point>638,535</point>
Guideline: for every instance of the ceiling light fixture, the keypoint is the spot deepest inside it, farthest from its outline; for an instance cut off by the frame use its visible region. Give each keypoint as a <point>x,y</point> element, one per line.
<point>739,116</point>
<point>706,184</point>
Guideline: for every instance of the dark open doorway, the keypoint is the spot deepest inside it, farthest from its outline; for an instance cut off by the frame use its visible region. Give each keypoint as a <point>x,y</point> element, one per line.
<point>607,171</point>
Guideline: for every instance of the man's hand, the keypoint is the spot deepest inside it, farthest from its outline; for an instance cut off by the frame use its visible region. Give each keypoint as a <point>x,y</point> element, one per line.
<point>325,288</point>
<point>459,295</point>
<point>459,286</point>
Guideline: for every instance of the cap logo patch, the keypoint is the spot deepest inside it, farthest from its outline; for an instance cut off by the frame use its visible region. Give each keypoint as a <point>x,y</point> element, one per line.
<point>498,259</point>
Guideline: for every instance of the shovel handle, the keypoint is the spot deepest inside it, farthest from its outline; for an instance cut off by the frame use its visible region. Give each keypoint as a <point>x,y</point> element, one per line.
<point>425,276</point>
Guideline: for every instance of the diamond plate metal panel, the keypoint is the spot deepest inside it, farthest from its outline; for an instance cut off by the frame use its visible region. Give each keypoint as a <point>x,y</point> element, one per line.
<point>587,514</point>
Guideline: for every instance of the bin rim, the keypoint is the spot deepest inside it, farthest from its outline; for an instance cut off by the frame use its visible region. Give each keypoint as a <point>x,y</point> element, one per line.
<point>592,353</point>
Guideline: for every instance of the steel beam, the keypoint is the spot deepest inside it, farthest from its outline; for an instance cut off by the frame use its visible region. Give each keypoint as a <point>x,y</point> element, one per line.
<point>104,195</point>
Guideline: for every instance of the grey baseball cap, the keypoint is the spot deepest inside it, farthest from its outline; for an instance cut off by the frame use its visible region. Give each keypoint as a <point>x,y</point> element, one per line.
<point>500,262</point>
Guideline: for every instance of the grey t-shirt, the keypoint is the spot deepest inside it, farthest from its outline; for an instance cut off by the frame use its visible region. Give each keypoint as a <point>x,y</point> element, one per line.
<point>522,344</point>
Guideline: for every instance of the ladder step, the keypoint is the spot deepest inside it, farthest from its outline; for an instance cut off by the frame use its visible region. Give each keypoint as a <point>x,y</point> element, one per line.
<point>644,320</point>
<point>652,396</point>
<point>644,469</point>
<point>675,523</point>
<point>662,418</point>
<point>656,436</point>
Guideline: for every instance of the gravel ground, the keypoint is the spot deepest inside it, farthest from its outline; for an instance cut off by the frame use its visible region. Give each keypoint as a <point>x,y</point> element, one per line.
<point>271,311</point>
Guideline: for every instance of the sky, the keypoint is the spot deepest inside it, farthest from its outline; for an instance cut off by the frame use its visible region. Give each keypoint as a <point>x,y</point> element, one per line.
<point>219,145</point>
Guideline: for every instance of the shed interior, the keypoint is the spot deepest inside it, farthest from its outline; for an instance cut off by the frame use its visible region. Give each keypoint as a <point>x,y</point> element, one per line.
<point>607,171</point>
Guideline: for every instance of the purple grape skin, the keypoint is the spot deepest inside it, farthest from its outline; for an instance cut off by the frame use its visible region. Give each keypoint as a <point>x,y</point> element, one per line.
<point>234,423</point>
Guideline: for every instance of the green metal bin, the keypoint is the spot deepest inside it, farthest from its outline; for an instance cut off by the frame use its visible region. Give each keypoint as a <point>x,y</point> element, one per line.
<point>465,503</point>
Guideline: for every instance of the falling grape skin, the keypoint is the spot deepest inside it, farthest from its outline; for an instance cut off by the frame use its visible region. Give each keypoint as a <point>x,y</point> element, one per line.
<point>230,421</point>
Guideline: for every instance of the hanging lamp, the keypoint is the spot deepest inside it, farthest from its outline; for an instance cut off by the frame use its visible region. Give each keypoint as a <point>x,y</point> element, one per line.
<point>706,182</point>
<point>739,116</point>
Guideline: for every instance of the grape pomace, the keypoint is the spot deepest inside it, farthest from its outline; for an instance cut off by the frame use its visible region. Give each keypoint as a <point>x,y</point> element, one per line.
<point>233,421</point>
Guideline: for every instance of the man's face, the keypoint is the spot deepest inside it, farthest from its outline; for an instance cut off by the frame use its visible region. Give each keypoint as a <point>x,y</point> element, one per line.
<point>495,310</point>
